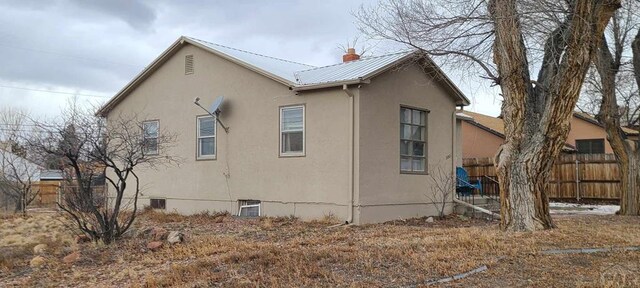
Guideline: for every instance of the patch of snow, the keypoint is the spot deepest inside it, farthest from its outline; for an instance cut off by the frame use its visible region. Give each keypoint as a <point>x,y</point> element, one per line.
<point>573,208</point>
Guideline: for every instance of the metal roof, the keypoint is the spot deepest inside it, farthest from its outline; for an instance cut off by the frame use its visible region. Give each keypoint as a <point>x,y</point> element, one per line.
<point>305,75</point>
<point>352,70</point>
<point>282,68</point>
<point>51,175</point>
<point>296,75</point>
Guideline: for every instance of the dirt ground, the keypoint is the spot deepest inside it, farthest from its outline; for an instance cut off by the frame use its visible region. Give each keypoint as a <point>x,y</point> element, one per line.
<point>221,250</point>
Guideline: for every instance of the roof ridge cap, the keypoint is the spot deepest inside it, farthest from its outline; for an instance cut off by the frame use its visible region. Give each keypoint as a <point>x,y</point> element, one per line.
<point>249,52</point>
<point>361,59</point>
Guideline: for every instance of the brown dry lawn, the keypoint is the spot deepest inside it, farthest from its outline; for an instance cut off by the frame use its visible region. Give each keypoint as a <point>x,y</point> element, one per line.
<point>221,250</point>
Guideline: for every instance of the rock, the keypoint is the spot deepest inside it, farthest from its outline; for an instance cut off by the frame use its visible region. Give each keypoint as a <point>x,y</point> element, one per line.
<point>40,249</point>
<point>154,245</point>
<point>430,220</point>
<point>37,261</point>
<point>175,237</point>
<point>83,239</point>
<point>71,258</point>
<point>158,234</point>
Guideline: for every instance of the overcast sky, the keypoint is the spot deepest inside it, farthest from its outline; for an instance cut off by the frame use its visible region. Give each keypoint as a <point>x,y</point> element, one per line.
<point>91,49</point>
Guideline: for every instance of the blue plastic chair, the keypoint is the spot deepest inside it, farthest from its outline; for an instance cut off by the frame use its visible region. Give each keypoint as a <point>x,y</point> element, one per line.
<point>464,186</point>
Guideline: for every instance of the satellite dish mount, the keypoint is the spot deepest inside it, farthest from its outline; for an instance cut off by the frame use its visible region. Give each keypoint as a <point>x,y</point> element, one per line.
<point>214,111</point>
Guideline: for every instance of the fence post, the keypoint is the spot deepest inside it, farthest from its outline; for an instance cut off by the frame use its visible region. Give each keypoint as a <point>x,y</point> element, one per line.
<point>59,203</point>
<point>577,179</point>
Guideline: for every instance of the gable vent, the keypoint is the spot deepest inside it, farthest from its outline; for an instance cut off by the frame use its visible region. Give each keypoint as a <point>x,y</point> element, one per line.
<point>188,64</point>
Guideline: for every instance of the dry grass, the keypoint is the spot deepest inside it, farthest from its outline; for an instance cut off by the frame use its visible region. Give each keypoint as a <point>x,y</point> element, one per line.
<point>18,236</point>
<point>227,251</point>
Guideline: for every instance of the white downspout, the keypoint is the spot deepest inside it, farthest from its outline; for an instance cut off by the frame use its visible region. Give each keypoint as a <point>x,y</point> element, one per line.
<point>351,152</point>
<point>454,147</point>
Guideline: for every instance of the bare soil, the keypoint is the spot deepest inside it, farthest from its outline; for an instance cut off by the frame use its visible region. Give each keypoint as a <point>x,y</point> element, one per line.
<point>221,250</point>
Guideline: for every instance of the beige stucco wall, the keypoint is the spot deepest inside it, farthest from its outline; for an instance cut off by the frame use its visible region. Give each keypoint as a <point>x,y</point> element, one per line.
<point>478,143</point>
<point>385,193</point>
<point>308,187</point>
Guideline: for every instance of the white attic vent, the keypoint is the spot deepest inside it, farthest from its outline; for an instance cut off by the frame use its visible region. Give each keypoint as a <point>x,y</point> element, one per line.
<point>188,64</point>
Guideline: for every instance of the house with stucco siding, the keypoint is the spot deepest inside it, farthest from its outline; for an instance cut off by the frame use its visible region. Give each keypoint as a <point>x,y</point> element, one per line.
<point>482,135</point>
<point>355,140</point>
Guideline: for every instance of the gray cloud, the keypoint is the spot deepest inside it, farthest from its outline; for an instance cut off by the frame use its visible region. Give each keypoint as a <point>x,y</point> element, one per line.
<point>138,14</point>
<point>96,47</point>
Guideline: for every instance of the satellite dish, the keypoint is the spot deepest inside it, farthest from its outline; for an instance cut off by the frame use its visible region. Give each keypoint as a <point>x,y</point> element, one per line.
<point>215,107</point>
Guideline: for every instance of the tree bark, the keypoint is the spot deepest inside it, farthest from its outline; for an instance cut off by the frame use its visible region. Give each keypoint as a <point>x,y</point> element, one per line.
<point>625,151</point>
<point>536,118</point>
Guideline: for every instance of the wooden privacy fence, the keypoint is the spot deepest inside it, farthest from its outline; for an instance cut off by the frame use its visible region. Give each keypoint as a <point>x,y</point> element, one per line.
<point>47,194</point>
<point>575,176</point>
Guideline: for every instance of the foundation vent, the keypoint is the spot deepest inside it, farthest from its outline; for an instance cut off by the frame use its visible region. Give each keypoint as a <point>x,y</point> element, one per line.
<point>158,203</point>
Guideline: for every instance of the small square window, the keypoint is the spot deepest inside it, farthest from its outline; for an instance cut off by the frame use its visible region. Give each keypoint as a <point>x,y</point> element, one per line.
<point>156,203</point>
<point>249,208</point>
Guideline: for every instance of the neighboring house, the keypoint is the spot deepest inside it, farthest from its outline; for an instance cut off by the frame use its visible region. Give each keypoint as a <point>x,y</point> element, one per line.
<point>482,135</point>
<point>354,140</point>
<point>15,171</point>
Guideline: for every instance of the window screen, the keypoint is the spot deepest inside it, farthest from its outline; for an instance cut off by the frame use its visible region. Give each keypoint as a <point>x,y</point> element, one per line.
<point>590,146</point>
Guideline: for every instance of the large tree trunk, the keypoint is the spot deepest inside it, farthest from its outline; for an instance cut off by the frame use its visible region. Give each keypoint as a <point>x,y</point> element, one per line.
<point>627,152</point>
<point>609,115</point>
<point>537,117</point>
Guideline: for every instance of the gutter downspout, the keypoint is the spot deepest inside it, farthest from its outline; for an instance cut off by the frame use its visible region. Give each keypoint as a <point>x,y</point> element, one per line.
<point>454,147</point>
<point>346,90</point>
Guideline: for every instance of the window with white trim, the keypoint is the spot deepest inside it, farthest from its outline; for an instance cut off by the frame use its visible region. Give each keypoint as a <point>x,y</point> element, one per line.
<point>150,130</point>
<point>206,137</point>
<point>249,208</point>
<point>413,123</point>
<point>292,130</point>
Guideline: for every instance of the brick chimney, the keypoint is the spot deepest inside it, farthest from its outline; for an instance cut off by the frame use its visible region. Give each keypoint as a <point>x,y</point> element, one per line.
<point>350,56</point>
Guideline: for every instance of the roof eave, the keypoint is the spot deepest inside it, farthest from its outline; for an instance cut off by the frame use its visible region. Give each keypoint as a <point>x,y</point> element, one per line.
<point>241,63</point>
<point>595,122</point>
<point>330,84</point>
<point>463,100</point>
<point>104,110</point>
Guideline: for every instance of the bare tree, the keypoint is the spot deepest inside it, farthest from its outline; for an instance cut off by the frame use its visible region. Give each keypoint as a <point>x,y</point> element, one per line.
<point>501,38</point>
<point>442,189</point>
<point>17,178</point>
<point>611,87</point>
<point>362,47</point>
<point>17,174</point>
<point>117,149</point>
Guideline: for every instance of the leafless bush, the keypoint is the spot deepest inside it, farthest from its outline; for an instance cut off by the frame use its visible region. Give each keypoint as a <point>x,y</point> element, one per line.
<point>114,149</point>
<point>17,172</point>
<point>441,190</point>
